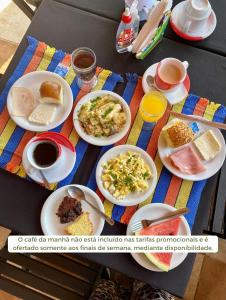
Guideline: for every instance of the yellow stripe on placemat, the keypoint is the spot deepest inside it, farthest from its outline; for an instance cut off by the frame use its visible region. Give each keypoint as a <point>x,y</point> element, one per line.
<point>108,207</point>
<point>101,79</point>
<point>44,63</point>
<point>186,186</point>
<point>6,134</point>
<point>136,130</point>
<point>47,57</point>
<point>70,76</point>
<point>159,166</point>
<point>210,110</point>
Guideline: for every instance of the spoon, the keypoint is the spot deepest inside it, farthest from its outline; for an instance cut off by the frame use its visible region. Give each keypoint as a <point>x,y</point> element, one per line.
<point>75,192</point>
<point>150,81</point>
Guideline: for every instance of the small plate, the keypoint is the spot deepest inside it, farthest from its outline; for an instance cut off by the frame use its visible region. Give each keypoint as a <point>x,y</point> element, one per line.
<point>152,211</point>
<point>175,95</point>
<point>60,171</point>
<point>133,198</point>
<point>33,81</point>
<point>212,166</point>
<point>101,141</point>
<point>191,36</point>
<point>51,223</point>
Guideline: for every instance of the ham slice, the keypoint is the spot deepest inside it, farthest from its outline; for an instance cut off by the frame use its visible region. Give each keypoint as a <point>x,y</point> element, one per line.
<point>187,161</point>
<point>23,102</point>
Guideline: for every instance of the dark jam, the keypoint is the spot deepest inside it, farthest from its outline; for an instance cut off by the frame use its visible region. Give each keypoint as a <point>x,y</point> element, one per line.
<point>45,154</point>
<point>83,60</point>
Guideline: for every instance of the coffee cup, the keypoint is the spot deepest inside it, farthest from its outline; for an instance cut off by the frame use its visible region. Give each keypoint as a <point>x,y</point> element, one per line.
<point>44,153</point>
<point>195,16</point>
<point>170,73</point>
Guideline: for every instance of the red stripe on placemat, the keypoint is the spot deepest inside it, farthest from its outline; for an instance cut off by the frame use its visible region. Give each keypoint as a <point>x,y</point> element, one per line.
<point>175,183</point>
<point>37,57</point>
<point>129,211</point>
<point>66,61</point>
<point>153,143</point>
<point>17,156</point>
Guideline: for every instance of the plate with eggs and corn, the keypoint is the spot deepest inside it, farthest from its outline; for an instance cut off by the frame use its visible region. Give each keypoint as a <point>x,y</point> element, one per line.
<point>126,175</point>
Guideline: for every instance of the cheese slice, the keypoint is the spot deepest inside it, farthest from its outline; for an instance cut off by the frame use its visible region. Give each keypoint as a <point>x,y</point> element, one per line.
<point>208,145</point>
<point>43,114</point>
<point>23,102</point>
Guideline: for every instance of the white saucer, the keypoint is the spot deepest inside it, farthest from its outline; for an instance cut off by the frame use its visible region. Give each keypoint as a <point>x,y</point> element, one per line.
<point>55,174</point>
<point>33,81</point>
<point>51,223</point>
<point>175,95</point>
<point>152,211</point>
<point>191,36</point>
<point>212,166</point>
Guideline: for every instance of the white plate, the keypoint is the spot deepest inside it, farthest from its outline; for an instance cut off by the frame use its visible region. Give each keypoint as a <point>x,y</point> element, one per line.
<point>50,222</point>
<point>152,211</point>
<point>175,95</point>
<point>55,174</point>
<point>212,166</point>
<point>132,198</point>
<point>199,34</point>
<point>101,141</point>
<point>33,81</point>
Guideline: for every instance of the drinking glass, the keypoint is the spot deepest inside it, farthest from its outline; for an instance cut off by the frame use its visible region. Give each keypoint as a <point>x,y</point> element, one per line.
<point>152,107</point>
<point>84,64</point>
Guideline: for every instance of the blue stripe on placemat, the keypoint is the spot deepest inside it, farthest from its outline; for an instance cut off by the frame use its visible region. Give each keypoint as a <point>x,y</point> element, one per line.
<point>165,176</point>
<point>144,138</point>
<point>198,186</point>
<point>58,56</point>
<point>18,72</point>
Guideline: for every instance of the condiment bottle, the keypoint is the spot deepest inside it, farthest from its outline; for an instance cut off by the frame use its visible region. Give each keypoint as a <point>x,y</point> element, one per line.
<point>126,32</point>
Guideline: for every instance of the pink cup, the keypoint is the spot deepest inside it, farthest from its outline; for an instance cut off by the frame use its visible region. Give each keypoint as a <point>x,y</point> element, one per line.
<point>170,73</point>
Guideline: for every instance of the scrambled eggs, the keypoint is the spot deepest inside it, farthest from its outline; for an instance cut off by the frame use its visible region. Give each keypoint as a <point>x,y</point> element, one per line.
<point>102,116</point>
<point>124,174</point>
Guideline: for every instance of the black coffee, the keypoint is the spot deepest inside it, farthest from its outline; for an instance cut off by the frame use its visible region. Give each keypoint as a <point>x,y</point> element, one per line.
<point>45,154</point>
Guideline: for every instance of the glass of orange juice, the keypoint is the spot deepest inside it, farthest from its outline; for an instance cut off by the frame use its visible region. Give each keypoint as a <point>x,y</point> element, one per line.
<point>152,107</point>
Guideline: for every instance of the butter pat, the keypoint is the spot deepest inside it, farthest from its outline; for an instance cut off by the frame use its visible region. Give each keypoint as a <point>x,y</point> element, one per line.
<point>43,114</point>
<point>208,145</point>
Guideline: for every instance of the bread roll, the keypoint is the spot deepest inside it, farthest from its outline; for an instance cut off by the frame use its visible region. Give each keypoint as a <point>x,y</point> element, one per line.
<point>51,92</point>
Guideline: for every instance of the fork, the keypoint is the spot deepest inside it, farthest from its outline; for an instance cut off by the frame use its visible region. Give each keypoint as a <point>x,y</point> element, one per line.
<point>145,223</point>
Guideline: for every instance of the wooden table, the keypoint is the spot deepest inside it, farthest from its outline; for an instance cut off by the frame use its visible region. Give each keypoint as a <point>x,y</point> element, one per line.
<point>66,27</point>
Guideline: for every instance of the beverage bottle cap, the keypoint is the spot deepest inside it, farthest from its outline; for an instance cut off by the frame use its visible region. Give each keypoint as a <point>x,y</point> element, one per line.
<point>126,16</point>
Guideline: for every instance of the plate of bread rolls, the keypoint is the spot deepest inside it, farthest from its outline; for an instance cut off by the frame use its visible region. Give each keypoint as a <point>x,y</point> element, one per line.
<point>40,101</point>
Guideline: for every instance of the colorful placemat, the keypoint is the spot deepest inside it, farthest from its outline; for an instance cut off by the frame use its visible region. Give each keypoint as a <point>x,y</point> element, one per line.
<point>39,56</point>
<point>170,189</point>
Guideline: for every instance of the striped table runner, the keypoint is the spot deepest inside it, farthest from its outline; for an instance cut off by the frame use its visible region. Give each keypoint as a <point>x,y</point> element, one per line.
<point>39,56</point>
<point>170,189</point>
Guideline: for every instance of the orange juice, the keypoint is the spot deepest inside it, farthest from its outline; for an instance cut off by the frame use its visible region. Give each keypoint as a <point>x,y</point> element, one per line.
<point>153,106</point>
